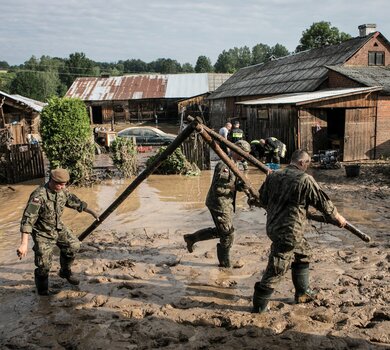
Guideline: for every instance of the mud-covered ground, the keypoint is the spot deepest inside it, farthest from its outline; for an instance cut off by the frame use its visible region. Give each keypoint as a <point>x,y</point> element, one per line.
<point>141,289</point>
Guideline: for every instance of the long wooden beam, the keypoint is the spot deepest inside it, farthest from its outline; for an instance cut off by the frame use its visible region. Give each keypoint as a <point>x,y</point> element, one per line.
<point>141,177</point>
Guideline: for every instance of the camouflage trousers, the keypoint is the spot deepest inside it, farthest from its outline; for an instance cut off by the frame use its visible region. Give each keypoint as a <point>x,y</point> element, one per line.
<point>223,229</point>
<point>43,248</point>
<point>280,258</point>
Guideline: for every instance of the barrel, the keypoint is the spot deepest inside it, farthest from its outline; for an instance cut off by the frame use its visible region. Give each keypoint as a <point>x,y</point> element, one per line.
<point>352,170</point>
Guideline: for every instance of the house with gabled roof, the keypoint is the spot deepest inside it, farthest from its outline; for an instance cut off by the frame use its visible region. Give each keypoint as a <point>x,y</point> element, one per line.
<point>143,97</point>
<point>332,97</point>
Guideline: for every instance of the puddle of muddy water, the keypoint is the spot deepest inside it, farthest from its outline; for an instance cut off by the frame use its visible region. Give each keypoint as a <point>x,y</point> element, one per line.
<point>160,202</point>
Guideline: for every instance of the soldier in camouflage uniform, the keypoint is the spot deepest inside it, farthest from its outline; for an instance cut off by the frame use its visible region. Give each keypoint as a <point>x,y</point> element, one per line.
<point>286,194</point>
<point>42,219</point>
<point>221,203</point>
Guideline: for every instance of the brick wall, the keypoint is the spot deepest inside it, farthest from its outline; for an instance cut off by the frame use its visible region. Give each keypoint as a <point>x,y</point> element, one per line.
<point>375,44</point>
<point>383,127</point>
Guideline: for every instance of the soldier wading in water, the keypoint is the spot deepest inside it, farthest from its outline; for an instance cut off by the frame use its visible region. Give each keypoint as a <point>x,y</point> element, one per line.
<point>221,203</point>
<point>42,219</point>
<point>286,194</point>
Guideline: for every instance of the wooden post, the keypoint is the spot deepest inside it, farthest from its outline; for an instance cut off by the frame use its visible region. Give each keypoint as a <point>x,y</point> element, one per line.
<point>141,177</point>
<point>2,112</point>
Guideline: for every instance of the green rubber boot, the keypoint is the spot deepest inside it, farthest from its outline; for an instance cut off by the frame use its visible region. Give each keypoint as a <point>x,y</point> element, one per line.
<point>300,278</point>
<point>223,255</point>
<point>200,235</point>
<point>261,297</point>
<point>67,274</point>
<point>42,283</point>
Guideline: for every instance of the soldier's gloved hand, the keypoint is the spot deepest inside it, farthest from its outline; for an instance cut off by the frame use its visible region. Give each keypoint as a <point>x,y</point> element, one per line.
<point>253,202</point>
<point>241,186</point>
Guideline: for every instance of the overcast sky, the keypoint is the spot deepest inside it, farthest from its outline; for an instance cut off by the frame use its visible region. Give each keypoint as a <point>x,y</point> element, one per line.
<point>112,30</point>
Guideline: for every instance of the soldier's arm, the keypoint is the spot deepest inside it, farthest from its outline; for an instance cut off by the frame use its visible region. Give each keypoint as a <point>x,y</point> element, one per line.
<point>223,184</point>
<point>30,216</point>
<point>73,202</point>
<point>320,200</point>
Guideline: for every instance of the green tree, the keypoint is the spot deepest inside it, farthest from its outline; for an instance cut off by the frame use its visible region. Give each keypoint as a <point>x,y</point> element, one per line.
<point>164,66</point>
<point>279,51</point>
<point>78,65</point>
<point>67,137</point>
<point>134,66</point>
<point>187,68</point>
<point>4,65</point>
<point>6,80</point>
<point>226,62</point>
<point>203,65</point>
<point>260,53</point>
<point>37,85</point>
<point>321,34</point>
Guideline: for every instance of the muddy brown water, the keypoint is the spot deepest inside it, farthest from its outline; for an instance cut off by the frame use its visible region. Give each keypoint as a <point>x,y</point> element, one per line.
<point>141,289</point>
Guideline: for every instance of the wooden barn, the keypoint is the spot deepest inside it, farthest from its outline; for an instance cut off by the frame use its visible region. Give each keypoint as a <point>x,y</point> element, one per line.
<point>19,118</point>
<point>333,97</point>
<point>142,97</point>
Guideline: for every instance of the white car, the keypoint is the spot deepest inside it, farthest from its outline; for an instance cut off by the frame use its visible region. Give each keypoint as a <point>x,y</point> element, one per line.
<point>147,136</point>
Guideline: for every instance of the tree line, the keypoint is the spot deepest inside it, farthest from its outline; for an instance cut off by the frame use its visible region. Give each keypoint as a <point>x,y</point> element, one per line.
<point>41,78</point>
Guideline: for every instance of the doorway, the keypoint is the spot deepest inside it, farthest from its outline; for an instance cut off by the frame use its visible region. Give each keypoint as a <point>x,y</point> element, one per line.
<point>97,115</point>
<point>336,128</point>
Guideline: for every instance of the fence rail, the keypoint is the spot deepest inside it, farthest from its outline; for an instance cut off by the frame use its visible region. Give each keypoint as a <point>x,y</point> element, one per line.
<point>21,163</point>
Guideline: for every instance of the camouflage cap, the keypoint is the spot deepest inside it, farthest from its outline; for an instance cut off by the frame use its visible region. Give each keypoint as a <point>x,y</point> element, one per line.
<point>245,146</point>
<point>60,175</point>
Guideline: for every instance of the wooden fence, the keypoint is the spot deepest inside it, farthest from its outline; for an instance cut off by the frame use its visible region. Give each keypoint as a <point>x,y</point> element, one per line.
<point>197,151</point>
<point>21,163</point>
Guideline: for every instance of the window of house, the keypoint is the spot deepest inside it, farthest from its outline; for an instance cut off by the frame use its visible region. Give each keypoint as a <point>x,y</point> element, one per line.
<point>376,58</point>
<point>262,113</point>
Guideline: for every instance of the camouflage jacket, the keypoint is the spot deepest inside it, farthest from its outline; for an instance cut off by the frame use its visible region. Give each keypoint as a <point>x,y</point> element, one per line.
<point>221,195</point>
<point>44,210</point>
<point>287,194</point>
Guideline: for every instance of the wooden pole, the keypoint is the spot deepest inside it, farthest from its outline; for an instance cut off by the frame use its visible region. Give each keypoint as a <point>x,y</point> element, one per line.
<point>141,177</point>
<point>235,148</point>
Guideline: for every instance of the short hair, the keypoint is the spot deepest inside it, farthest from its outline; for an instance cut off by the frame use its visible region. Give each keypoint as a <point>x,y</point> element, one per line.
<point>299,155</point>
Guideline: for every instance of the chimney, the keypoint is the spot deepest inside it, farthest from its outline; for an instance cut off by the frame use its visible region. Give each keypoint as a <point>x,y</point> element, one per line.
<point>366,29</point>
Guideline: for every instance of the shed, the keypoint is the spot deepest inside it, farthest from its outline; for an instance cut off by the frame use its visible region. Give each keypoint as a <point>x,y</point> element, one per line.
<point>19,117</point>
<point>134,98</point>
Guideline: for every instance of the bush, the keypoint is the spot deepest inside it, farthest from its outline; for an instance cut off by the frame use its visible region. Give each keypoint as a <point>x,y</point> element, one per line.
<point>67,137</point>
<point>124,156</point>
<point>176,163</point>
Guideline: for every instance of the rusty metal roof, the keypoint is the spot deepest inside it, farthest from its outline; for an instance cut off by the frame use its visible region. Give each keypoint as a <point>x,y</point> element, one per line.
<point>146,86</point>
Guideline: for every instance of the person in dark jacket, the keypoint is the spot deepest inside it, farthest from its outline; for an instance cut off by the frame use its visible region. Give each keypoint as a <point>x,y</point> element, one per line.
<point>274,149</point>
<point>286,194</point>
<point>42,220</point>
<point>221,203</point>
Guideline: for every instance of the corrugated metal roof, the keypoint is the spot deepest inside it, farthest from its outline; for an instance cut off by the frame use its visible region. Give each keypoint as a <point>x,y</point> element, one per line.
<point>307,68</point>
<point>147,86</point>
<point>37,106</point>
<point>309,97</point>
<point>369,76</point>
